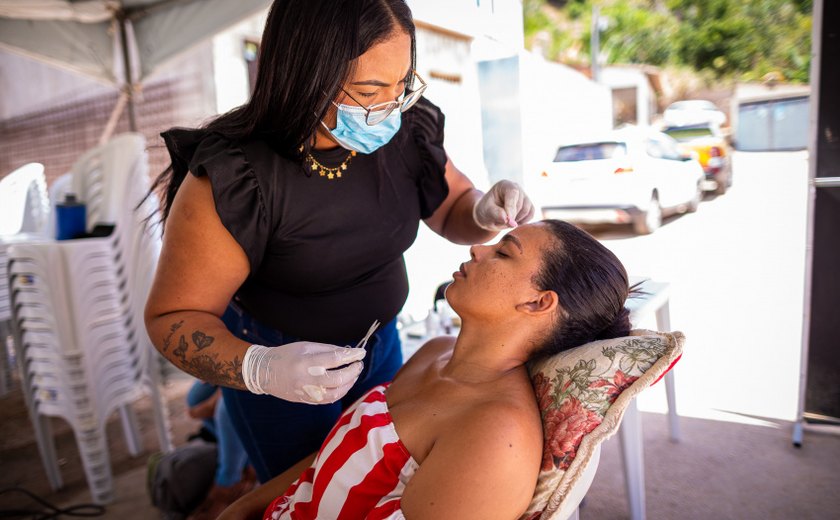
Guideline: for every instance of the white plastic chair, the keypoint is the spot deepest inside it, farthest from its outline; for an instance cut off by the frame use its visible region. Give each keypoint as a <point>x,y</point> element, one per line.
<point>24,206</point>
<point>571,505</point>
<point>24,212</point>
<point>83,349</point>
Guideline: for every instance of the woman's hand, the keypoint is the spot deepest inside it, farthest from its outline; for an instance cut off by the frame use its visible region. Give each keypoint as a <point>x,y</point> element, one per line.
<point>303,372</point>
<point>505,205</point>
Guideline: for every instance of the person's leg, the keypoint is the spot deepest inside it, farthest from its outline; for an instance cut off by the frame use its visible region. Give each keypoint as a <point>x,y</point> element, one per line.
<point>199,393</point>
<point>229,484</point>
<point>232,455</point>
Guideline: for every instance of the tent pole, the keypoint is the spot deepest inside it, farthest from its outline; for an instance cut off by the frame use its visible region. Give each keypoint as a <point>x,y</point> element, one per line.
<point>129,85</point>
<point>115,116</point>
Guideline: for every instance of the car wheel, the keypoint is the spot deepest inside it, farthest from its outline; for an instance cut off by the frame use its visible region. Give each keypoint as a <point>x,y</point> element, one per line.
<point>650,220</point>
<point>694,203</point>
<point>721,187</point>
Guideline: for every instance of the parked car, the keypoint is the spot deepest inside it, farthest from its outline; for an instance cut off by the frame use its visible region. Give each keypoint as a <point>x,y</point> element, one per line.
<point>707,141</point>
<point>693,111</point>
<point>629,176</point>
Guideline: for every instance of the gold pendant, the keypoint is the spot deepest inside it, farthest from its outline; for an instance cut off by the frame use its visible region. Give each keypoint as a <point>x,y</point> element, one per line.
<point>330,173</point>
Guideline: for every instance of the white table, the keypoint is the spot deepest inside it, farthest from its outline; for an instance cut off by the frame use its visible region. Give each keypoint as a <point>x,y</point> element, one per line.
<point>656,300</point>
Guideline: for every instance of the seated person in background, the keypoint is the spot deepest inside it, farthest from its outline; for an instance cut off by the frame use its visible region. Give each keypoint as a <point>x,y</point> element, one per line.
<point>458,434</point>
<point>234,477</point>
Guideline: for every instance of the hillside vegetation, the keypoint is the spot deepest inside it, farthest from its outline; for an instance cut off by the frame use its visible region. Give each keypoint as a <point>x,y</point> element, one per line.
<point>740,40</point>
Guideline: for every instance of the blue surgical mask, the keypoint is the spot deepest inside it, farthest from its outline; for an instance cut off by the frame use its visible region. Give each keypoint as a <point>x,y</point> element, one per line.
<point>353,133</point>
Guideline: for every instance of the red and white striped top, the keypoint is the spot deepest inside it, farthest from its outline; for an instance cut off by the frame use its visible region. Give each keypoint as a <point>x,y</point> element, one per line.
<point>360,472</point>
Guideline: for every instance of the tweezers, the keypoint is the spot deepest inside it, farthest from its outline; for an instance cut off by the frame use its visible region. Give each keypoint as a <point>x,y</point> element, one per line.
<point>363,342</point>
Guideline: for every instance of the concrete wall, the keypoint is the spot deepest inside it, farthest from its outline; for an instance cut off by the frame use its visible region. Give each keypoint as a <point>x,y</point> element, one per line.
<point>529,107</point>
<point>495,26</point>
<point>559,105</point>
<point>230,70</point>
<point>627,77</point>
<point>453,37</point>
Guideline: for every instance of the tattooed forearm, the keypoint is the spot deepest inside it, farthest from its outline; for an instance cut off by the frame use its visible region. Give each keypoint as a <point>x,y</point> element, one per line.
<point>202,340</point>
<point>181,350</point>
<point>192,353</point>
<point>208,368</point>
<point>167,341</point>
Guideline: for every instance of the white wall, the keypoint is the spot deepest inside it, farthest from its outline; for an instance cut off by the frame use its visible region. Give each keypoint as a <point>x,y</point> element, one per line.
<point>230,70</point>
<point>620,77</point>
<point>559,105</point>
<point>452,37</point>
<point>495,25</point>
<point>445,63</point>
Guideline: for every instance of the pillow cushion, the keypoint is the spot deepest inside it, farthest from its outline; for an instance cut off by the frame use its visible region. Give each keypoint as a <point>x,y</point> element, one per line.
<point>582,394</point>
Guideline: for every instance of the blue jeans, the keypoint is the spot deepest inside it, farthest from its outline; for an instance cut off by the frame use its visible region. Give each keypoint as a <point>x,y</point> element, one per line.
<point>232,457</point>
<point>277,433</point>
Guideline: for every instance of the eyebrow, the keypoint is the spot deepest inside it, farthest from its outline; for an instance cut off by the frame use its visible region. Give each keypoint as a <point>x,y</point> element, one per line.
<point>378,83</point>
<point>514,240</point>
<point>373,82</point>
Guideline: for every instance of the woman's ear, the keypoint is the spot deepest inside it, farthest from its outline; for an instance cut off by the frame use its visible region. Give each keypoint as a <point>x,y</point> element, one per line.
<point>543,302</point>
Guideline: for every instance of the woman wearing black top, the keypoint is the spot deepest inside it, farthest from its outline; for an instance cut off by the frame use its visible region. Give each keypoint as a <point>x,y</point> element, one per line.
<point>287,218</point>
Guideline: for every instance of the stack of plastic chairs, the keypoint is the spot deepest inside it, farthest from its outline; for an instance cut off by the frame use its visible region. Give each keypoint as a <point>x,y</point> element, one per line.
<point>78,304</point>
<point>25,207</point>
<point>24,214</point>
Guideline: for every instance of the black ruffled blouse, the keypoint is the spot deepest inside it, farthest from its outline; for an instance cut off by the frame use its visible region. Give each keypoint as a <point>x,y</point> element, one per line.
<point>326,256</point>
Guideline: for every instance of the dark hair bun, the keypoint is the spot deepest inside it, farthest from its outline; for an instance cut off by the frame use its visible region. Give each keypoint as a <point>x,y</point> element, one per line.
<point>619,327</point>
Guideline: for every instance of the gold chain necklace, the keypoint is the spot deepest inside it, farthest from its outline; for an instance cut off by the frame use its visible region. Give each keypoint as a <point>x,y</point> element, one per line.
<point>326,171</point>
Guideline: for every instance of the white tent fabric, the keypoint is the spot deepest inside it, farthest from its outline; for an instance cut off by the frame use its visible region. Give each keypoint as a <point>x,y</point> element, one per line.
<point>86,35</point>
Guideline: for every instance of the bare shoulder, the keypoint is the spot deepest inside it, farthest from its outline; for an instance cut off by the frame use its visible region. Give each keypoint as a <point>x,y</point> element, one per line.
<point>485,463</point>
<point>503,424</point>
<point>512,415</point>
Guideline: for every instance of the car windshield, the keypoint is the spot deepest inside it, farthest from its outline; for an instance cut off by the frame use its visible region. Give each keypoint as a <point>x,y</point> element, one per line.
<point>590,152</point>
<point>687,134</point>
<point>693,105</point>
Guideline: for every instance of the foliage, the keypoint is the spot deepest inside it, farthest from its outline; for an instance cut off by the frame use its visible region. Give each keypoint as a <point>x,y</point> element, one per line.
<point>738,39</point>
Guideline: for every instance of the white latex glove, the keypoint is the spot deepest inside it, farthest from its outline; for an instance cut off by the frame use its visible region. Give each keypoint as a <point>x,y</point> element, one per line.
<point>505,205</point>
<point>302,372</point>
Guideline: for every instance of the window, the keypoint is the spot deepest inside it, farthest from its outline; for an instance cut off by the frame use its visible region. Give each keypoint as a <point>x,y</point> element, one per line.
<point>662,149</point>
<point>590,152</point>
<point>687,133</point>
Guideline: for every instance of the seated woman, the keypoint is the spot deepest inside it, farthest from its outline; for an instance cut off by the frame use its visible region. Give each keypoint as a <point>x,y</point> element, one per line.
<point>458,434</point>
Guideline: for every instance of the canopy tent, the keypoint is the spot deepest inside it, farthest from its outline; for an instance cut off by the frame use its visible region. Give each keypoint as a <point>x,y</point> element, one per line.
<point>118,42</point>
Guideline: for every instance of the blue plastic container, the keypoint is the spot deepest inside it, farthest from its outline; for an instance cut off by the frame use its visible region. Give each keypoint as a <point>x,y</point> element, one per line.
<point>70,218</point>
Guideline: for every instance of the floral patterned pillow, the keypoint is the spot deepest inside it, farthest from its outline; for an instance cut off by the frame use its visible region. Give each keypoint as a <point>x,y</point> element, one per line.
<point>582,394</point>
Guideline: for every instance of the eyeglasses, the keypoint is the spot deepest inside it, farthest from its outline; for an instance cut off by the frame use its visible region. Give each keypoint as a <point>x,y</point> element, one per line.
<point>377,113</point>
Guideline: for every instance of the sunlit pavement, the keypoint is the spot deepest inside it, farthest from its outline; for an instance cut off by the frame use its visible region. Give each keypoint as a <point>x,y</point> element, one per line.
<point>737,273</point>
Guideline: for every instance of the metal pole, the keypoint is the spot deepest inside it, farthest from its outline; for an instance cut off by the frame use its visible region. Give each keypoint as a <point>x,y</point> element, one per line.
<point>595,43</point>
<point>129,85</point>
<point>816,53</point>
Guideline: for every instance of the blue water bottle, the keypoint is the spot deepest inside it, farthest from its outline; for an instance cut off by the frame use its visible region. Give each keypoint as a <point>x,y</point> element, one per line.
<point>70,218</point>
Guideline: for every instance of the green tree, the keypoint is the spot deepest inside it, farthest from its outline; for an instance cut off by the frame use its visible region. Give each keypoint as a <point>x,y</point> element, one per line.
<point>638,35</point>
<point>741,39</point>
